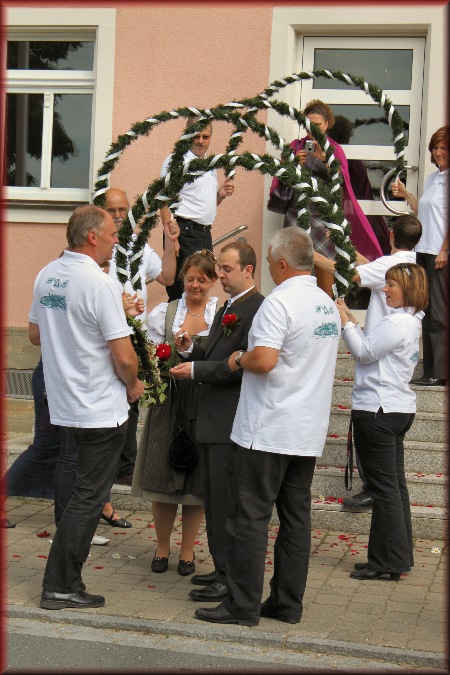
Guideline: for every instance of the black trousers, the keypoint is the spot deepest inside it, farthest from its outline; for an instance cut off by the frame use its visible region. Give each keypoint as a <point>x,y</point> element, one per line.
<point>98,454</point>
<point>435,321</point>
<point>262,479</point>
<point>127,457</point>
<point>191,240</point>
<point>219,472</point>
<point>379,437</point>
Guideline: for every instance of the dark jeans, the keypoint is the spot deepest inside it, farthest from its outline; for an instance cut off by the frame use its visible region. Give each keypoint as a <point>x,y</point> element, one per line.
<point>127,458</point>
<point>260,480</point>
<point>379,437</point>
<point>98,454</point>
<point>219,471</point>
<point>435,321</point>
<point>190,240</point>
<point>31,474</point>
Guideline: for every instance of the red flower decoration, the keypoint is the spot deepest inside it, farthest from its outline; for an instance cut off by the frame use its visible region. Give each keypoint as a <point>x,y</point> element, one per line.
<point>163,351</point>
<point>229,322</point>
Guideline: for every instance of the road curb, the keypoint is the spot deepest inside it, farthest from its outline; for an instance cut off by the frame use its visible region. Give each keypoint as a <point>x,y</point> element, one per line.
<point>238,635</point>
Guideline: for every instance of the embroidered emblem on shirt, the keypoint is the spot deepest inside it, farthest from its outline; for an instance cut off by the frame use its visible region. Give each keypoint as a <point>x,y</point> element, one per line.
<point>329,329</point>
<point>54,302</point>
<point>414,357</point>
<point>56,282</point>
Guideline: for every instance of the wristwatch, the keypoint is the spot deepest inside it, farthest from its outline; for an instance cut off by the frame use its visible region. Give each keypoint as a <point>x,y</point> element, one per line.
<point>238,358</point>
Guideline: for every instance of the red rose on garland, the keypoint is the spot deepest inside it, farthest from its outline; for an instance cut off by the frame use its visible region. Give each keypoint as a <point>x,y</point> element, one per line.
<point>163,351</point>
<point>229,322</point>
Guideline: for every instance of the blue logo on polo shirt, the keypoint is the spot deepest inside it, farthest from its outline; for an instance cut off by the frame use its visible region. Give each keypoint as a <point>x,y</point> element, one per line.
<point>54,302</point>
<point>414,357</point>
<point>327,330</point>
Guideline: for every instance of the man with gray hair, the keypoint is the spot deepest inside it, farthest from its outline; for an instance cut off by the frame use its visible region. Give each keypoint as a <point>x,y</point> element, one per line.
<point>281,425</point>
<point>90,371</point>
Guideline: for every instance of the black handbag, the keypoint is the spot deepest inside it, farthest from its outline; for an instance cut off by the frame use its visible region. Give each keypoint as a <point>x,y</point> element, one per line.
<point>183,454</point>
<point>279,203</point>
<point>182,451</point>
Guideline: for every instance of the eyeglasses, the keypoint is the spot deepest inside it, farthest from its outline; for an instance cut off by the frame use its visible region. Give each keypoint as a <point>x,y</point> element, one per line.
<point>121,212</point>
<point>208,254</point>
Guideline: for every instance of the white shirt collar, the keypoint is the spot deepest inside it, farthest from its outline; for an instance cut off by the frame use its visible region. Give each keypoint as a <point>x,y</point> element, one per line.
<point>231,300</point>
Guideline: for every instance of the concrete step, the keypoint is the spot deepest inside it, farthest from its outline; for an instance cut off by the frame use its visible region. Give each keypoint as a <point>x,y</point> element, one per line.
<point>419,456</point>
<point>427,522</point>
<point>346,364</point>
<point>429,489</point>
<point>429,399</point>
<point>427,427</point>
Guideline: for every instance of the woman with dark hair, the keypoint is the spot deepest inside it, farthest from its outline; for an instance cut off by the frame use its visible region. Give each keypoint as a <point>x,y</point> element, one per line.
<point>432,254</point>
<point>383,410</point>
<point>154,479</point>
<point>363,237</point>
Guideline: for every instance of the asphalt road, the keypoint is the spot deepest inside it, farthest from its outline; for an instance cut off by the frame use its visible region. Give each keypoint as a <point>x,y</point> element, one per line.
<point>46,647</point>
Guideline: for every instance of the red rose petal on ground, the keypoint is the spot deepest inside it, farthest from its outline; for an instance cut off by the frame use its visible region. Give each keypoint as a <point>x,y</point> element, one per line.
<point>332,435</point>
<point>99,567</point>
<point>43,534</point>
<point>42,556</point>
<point>151,586</point>
<point>152,527</point>
<point>340,500</point>
<point>343,407</point>
<point>16,556</point>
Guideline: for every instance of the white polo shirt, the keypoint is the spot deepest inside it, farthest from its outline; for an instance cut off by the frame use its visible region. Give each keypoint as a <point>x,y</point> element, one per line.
<point>385,362</point>
<point>287,410</point>
<point>433,213</point>
<point>198,199</point>
<point>151,266</point>
<point>78,308</point>
<point>372,276</point>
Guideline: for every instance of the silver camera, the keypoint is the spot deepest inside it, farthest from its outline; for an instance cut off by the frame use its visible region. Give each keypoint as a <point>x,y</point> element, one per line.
<point>310,146</point>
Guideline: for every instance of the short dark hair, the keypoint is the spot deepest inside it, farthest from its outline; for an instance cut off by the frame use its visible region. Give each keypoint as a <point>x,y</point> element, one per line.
<point>82,221</point>
<point>246,253</point>
<point>342,130</point>
<point>413,281</point>
<point>407,232</point>
<point>441,134</point>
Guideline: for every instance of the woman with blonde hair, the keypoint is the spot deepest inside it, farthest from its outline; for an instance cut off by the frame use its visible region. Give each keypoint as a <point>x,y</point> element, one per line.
<point>383,409</point>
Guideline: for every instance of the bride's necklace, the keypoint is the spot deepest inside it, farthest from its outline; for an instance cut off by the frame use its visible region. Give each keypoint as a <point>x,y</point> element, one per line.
<point>196,316</point>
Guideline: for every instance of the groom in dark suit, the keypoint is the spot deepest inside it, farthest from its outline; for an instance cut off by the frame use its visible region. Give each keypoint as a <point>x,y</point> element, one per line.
<point>219,397</point>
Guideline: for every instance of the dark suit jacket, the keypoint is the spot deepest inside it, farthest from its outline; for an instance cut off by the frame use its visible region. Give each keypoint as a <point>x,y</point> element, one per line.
<point>220,386</point>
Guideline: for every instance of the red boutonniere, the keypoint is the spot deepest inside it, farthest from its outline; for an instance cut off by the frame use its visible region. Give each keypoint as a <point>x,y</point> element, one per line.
<point>229,323</point>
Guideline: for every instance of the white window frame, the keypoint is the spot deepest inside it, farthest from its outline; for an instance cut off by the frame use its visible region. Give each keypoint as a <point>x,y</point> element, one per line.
<point>290,22</point>
<point>45,204</point>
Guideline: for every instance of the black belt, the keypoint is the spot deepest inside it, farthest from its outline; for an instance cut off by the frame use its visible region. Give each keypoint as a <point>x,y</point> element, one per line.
<point>193,224</point>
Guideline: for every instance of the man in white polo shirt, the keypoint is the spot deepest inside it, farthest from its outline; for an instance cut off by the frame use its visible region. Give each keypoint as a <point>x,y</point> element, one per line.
<point>197,210</point>
<point>90,371</point>
<point>281,425</point>
<point>404,236</point>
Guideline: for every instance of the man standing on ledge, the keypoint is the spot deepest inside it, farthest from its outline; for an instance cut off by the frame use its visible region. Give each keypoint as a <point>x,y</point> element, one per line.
<point>90,370</point>
<point>281,426</point>
<point>197,210</point>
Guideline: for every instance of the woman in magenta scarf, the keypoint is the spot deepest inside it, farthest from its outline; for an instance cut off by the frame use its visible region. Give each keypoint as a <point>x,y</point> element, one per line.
<point>362,237</point>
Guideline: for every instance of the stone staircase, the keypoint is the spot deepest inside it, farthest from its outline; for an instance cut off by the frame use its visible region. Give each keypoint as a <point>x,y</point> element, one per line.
<point>425,459</point>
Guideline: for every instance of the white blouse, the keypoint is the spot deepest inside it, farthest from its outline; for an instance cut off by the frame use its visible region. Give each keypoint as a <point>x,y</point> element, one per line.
<point>156,319</point>
<point>385,362</point>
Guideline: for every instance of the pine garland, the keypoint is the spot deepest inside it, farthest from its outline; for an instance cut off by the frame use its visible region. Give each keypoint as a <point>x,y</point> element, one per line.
<point>242,115</point>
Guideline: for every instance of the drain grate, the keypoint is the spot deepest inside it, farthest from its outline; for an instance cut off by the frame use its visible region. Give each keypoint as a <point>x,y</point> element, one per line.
<point>17,383</point>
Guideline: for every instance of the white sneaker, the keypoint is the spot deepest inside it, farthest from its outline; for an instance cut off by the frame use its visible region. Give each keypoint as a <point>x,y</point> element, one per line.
<point>98,540</point>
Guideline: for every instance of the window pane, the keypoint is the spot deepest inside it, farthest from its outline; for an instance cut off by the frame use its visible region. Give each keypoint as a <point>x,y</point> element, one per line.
<point>368,124</point>
<point>71,141</point>
<point>387,68</point>
<point>50,55</point>
<point>24,139</point>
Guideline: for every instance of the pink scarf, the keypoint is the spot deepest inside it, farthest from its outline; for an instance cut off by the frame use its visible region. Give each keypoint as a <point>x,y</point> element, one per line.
<point>362,236</point>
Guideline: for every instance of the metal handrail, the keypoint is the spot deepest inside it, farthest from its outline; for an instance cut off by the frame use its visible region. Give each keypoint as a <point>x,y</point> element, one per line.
<point>218,241</point>
<point>385,181</point>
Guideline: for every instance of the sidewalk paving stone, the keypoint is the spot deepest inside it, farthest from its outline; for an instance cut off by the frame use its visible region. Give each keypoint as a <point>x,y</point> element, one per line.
<point>410,614</point>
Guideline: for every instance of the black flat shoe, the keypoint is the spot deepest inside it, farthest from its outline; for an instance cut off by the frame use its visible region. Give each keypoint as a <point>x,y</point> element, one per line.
<point>118,522</point>
<point>204,579</point>
<point>160,564</point>
<point>186,567</point>
<point>360,566</point>
<point>222,615</point>
<point>4,522</point>
<point>78,600</point>
<point>269,612</point>
<point>429,382</point>
<point>366,574</point>
<point>361,500</point>
<point>211,593</point>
